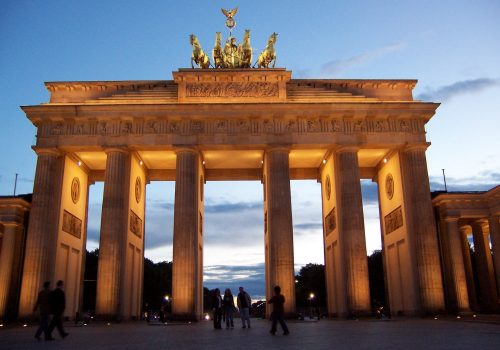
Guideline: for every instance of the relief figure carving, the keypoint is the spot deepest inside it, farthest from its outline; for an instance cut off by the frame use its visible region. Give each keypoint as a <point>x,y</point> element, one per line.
<point>250,89</point>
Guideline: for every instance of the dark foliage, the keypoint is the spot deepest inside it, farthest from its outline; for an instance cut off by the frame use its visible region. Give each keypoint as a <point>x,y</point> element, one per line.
<point>90,280</point>
<point>157,283</point>
<point>376,276</point>
<point>311,279</point>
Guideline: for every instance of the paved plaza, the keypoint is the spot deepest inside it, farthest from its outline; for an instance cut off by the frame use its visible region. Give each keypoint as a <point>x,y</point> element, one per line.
<point>402,334</point>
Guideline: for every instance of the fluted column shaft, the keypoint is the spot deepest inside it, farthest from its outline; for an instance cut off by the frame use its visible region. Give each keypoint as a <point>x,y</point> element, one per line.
<point>457,269</point>
<point>185,246</point>
<point>422,230</point>
<point>40,253</point>
<point>494,222</point>
<point>114,226</point>
<point>352,231</point>
<point>280,266</point>
<point>484,268</point>
<point>10,250</point>
<point>469,275</point>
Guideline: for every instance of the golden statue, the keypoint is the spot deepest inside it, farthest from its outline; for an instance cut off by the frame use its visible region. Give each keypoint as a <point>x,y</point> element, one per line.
<point>231,53</point>
<point>217,52</point>
<point>245,50</point>
<point>198,56</point>
<point>230,22</point>
<point>269,54</point>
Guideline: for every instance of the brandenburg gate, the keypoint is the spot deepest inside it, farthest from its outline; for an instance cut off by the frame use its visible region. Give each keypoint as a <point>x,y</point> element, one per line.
<point>232,124</point>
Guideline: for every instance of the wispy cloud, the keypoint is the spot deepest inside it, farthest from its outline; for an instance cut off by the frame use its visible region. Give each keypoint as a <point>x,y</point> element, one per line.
<point>338,66</point>
<point>484,181</point>
<point>447,92</point>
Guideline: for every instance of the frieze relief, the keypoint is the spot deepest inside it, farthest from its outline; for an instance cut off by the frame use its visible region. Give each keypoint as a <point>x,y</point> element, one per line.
<point>273,125</point>
<point>235,89</point>
<point>72,224</point>
<point>393,220</point>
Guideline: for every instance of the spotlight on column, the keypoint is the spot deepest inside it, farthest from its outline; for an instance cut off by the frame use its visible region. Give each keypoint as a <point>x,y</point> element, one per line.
<point>324,161</point>
<point>203,162</point>
<point>79,163</point>
<point>385,160</point>
<point>140,162</point>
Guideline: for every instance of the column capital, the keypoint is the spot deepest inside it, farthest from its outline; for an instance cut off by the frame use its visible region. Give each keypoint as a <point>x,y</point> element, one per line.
<point>47,151</point>
<point>416,147</point>
<point>347,149</point>
<point>109,150</point>
<point>186,149</point>
<point>451,218</point>
<point>281,148</point>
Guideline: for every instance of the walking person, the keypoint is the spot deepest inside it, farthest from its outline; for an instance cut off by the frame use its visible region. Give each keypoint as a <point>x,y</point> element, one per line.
<point>57,305</point>
<point>217,309</point>
<point>43,304</point>
<point>244,302</point>
<point>278,314</point>
<point>228,305</point>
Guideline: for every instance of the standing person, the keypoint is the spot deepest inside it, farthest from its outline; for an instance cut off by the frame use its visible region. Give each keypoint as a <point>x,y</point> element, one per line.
<point>228,304</point>
<point>217,309</point>
<point>244,303</point>
<point>42,302</point>
<point>57,305</point>
<point>278,314</point>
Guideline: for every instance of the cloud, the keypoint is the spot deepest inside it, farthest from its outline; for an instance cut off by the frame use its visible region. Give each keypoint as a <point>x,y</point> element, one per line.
<point>233,207</point>
<point>336,67</point>
<point>308,226</point>
<point>483,181</point>
<point>251,277</point>
<point>447,92</point>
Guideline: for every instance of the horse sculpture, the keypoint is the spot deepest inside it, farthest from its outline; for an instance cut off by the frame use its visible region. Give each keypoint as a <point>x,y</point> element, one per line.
<point>269,54</point>
<point>245,51</point>
<point>198,56</point>
<point>217,52</point>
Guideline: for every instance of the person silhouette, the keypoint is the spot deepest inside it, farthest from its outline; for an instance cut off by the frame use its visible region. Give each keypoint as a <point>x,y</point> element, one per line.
<point>57,301</point>
<point>278,314</point>
<point>43,304</point>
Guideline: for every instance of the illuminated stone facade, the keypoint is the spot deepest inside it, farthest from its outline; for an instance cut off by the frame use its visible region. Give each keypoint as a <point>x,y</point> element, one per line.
<point>464,219</point>
<point>210,125</point>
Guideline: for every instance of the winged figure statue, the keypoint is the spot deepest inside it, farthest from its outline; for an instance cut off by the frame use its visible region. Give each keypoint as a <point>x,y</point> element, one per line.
<point>230,22</point>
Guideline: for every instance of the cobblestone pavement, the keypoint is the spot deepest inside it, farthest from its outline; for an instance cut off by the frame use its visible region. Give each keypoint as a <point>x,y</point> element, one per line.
<point>403,334</point>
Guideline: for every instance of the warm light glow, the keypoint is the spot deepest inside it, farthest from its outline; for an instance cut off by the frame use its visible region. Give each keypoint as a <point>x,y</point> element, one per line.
<point>167,298</point>
<point>109,324</point>
<point>324,161</point>
<point>1,324</point>
<point>311,296</point>
<point>458,317</point>
<point>79,163</point>
<point>141,162</point>
<point>435,317</point>
<point>296,281</point>
<point>385,160</point>
<point>207,317</point>
<point>474,315</point>
<point>25,325</point>
<point>203,162</point>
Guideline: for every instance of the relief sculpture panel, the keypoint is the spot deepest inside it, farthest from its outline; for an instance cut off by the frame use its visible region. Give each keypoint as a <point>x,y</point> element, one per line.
<point>250,89</point>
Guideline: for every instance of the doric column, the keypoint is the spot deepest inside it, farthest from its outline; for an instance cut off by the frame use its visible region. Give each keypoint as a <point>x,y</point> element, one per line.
<point>114,229</point>
<point>494,223</point>
<point>40,253</point>
<point>422,229</point>
<point>484,267</point>
<point>456,268</point>
<point>11,250</point>
<point>279,240</point>
<point>352,230</point>
<point>186,274</point>
<point>469,275</point>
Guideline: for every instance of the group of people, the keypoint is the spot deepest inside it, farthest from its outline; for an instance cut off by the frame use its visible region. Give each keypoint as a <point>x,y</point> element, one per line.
<point>51,302</point>
<point>223,308</point>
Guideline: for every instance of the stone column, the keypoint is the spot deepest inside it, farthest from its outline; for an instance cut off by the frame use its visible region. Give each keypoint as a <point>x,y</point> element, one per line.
<point>41,241</point>
<point>114,227</point>
<point>484,267</point>
<point>494,222</point>
<point>352,231</point>
<point>457,269</point>
<point>11,250</point>
<point>185,269</point>
<point>279,264</point>
<point>469,275</point>
<point>422,229</point>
